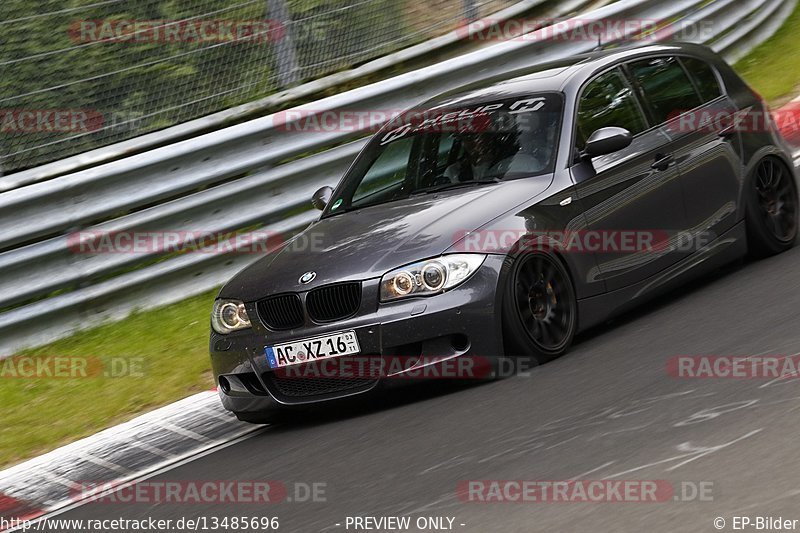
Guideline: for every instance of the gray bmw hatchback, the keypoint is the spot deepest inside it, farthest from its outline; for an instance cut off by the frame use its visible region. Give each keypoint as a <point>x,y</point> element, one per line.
<point>498,221</point>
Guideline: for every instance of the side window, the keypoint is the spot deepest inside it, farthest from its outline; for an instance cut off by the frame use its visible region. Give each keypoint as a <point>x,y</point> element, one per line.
<point>608,101</point>
<point>444,152</point>
<point>666,87</point>
<point>387,172</point>
<point>704,78</point>
<point>436,152</point>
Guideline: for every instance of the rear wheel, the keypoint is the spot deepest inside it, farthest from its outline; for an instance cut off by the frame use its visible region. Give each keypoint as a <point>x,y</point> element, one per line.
<point>771,209</point>
<point>539,308</point>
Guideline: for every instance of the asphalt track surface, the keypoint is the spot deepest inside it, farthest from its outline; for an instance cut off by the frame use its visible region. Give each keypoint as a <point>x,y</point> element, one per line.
<point>608,409</point>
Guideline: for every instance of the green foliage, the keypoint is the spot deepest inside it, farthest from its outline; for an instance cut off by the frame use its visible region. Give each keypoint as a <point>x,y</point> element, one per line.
<point>142,86</point>
<point>772,68</point>
<point>168,348</point>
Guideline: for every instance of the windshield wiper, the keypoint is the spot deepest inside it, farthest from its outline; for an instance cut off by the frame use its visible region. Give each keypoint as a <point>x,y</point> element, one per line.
<point>448,186</point>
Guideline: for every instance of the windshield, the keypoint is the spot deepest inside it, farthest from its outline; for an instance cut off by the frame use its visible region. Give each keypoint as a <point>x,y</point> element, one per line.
<point>454,147</point>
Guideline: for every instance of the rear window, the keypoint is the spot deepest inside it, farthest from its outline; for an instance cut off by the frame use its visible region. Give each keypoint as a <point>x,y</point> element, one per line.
<point>704,78</point>
<point>667,89</point>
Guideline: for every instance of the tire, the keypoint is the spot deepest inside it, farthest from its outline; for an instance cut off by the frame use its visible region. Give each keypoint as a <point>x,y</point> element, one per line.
<point>540,312</point>
<point>772,201</point>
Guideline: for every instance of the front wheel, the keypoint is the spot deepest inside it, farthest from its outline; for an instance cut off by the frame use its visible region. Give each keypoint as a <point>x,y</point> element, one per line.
<point>771,209</point>
<point>539,308</point>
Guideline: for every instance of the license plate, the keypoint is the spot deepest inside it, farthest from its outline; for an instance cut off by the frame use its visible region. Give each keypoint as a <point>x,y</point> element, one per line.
<point>314,349</point>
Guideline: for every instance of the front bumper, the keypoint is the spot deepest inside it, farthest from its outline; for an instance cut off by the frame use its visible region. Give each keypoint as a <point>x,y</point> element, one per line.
<point>425,331</point>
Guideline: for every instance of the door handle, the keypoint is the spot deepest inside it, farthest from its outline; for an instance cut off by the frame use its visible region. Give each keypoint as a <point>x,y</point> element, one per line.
<point>663,162</point>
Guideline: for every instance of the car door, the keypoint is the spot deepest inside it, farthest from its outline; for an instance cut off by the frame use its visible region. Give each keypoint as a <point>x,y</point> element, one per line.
<point>684,95</point>
<point>634,191</point>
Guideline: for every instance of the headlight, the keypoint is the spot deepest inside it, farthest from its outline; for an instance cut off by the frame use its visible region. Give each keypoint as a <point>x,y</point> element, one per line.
<point>228,316</point>
<point>429,277</point>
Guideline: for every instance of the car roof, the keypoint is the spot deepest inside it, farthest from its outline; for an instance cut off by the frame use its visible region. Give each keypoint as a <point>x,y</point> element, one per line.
<point>557,75</point>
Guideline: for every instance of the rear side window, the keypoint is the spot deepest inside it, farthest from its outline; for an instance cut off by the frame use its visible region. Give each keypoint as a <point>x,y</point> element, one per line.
<point>704,78</point>
<point>665,86</point>
<point>608,101</point>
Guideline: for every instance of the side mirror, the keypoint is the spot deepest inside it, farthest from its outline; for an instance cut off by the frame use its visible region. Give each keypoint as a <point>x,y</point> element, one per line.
<point>607,141</point>
<point>321,198</point>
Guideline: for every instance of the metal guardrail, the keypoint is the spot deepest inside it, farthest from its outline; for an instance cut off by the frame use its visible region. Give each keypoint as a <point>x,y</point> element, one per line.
<point>279,100</point>
<point>254,173</point>
<point>160,64</point>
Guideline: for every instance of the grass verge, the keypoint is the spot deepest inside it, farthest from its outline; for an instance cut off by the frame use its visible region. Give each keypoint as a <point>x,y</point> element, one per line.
<point>158,356</point>
<point>772,68</point>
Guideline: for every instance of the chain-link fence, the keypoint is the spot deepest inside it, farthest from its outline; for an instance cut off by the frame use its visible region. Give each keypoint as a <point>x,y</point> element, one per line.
<point>81,74</point>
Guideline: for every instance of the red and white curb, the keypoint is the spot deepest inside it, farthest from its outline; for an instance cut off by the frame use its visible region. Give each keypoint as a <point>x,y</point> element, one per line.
<point>118,455</point>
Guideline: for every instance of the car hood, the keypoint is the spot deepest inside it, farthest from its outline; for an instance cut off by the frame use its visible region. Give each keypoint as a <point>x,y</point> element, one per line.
<point>369,242</point>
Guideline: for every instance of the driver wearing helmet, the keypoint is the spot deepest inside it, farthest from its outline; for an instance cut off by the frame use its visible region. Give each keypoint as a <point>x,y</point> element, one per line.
<point>495,152</point>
